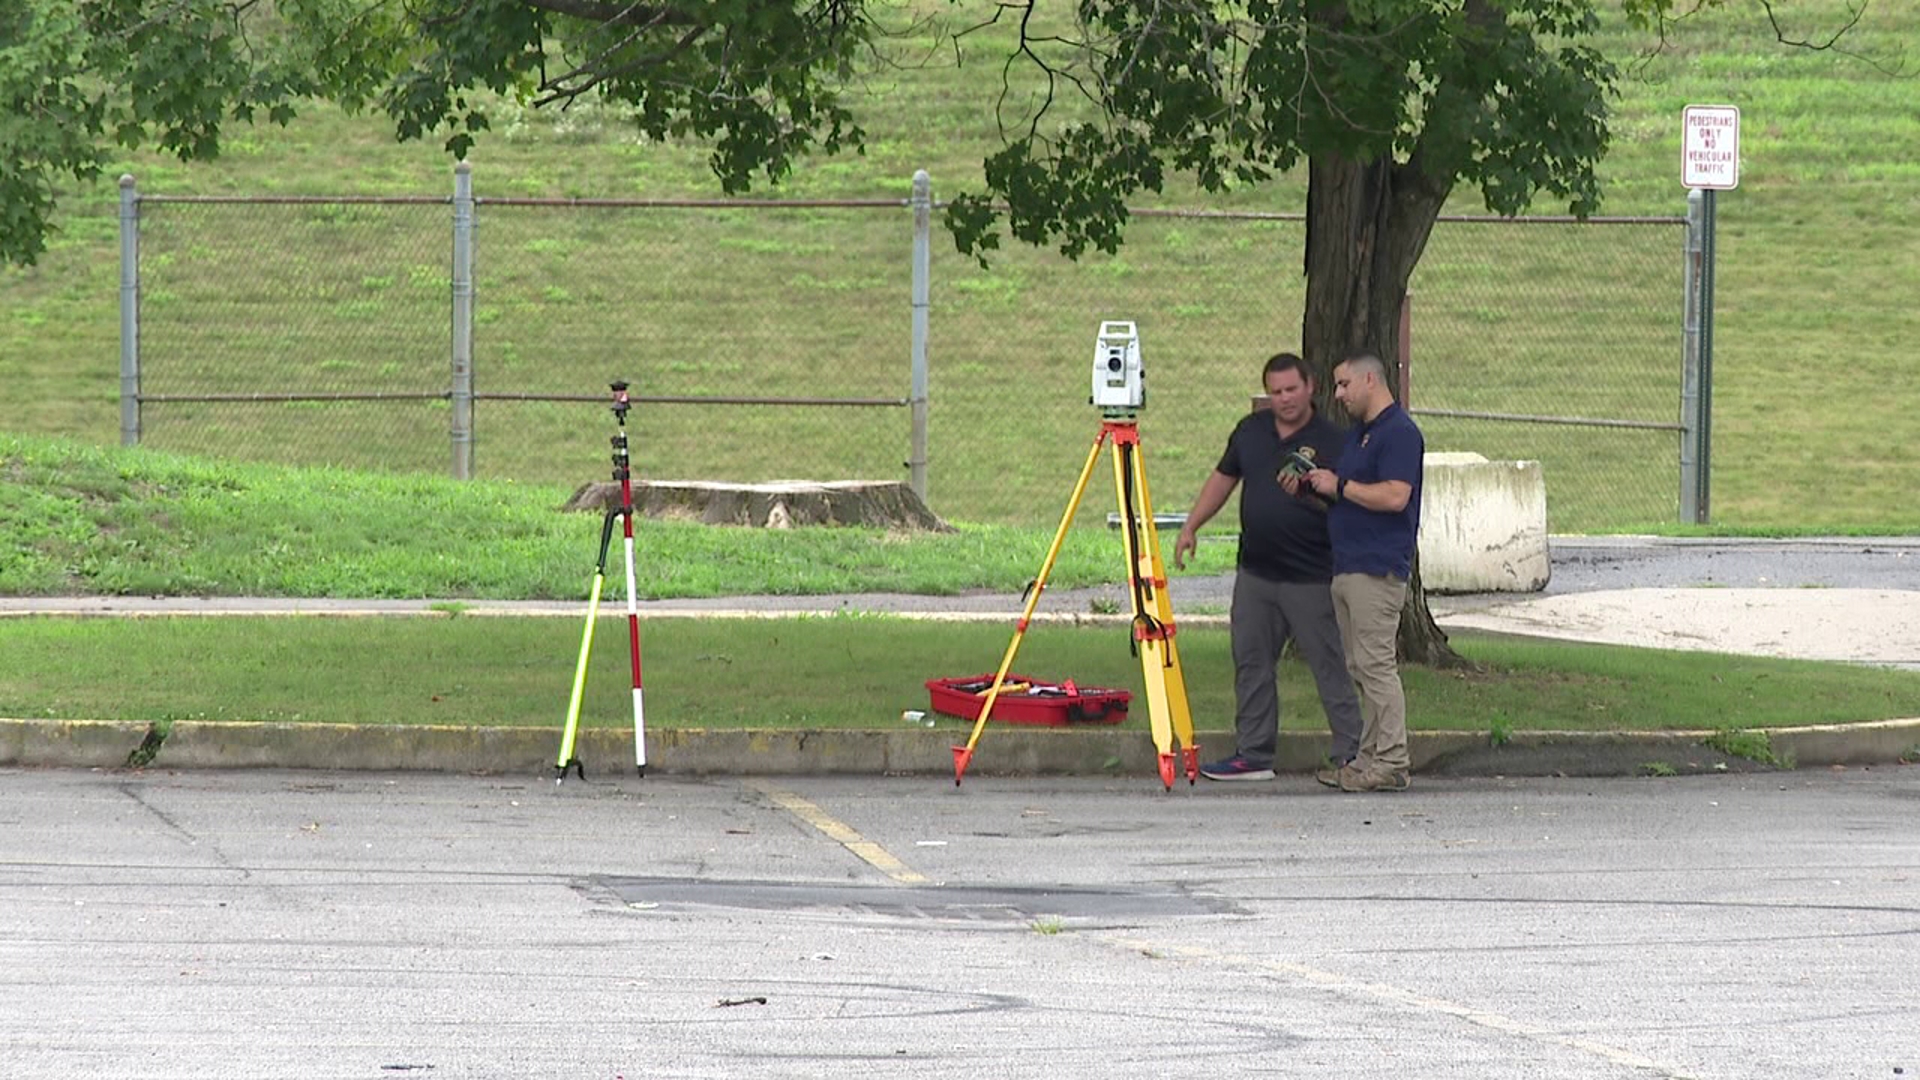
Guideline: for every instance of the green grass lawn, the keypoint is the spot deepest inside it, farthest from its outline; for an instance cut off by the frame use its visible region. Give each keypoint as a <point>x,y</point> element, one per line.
<point>80,520</point>
<point>834,672</point>
<point>1818,247</point>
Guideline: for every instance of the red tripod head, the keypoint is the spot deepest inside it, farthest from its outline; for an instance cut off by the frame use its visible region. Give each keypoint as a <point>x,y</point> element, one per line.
<point>621,403</point>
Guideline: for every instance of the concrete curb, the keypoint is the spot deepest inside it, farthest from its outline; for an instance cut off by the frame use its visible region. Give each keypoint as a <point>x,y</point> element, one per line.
<point>1001,750</point>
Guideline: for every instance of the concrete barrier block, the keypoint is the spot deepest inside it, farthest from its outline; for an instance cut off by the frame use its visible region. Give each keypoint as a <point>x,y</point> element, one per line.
<point>1483,525</point>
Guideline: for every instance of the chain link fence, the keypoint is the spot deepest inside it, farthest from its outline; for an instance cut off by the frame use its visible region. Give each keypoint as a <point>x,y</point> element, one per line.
<point>1554,341</point>
<point>772,340</point>
<point>1560,342</point>
<point>762,342</point>
<point>296,331</point>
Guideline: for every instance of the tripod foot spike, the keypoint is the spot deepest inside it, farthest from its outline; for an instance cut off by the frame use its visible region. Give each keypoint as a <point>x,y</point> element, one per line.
<point>1166,770</point>
<point>1193,765</point>
<point>643,771</point>
<point>560,771</point>
<point>962,757</point>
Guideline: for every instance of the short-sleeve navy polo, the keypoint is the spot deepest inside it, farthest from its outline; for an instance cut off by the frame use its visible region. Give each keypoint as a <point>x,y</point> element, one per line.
<point>1378,542</point>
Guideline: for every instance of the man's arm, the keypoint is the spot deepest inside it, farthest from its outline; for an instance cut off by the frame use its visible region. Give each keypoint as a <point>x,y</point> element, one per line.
<point>1213,496</point>
<point>1401,457</point>
<point>1387,496</point>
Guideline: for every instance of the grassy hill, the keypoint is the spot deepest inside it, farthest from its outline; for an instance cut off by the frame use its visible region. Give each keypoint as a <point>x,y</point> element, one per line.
<point>1819,249</point>
<point>81,520</point>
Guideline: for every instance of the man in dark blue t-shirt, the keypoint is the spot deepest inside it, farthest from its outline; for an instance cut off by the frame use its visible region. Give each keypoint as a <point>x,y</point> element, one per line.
<point>1374,523</point>
<point>1281,590</point>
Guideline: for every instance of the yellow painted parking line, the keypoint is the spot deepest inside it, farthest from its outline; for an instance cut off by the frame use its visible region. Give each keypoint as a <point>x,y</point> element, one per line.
<point>1389,994</point>
<point>876,856</point>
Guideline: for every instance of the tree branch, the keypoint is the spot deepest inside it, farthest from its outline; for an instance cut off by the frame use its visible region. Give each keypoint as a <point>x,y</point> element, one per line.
<point>1832,43</point>
<point>1055,75</point>
<point>1663,22</point>
<point>591,74</point>
<point>614,14</point>
<point>1025,49</point>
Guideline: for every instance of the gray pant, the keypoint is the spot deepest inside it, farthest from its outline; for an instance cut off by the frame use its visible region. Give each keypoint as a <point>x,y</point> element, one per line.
<point>1265,615</point>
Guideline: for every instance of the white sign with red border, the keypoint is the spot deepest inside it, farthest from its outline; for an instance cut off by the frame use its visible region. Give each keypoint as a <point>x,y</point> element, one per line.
<point>1710,147</point>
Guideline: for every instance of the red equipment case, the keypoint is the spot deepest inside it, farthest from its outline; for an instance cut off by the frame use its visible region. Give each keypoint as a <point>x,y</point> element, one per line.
<point>1026,700</point>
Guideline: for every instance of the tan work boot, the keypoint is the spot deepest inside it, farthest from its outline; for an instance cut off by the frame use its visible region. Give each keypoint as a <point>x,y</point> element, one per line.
<point>1374,779</point>
<point>1330,773</point>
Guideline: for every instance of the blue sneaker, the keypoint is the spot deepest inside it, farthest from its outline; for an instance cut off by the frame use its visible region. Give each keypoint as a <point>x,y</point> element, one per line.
<point>1236,768</point>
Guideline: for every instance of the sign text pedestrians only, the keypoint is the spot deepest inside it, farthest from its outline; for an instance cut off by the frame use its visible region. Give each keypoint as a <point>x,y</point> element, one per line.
<point>1710,147</point>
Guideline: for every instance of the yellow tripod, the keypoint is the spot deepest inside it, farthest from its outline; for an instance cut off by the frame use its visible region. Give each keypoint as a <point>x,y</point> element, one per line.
<point>1166,688</point>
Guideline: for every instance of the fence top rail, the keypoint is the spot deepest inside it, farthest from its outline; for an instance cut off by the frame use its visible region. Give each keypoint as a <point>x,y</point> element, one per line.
<point>854,204</point>
<point>693,204</point>
<point>1461,219</point>
<point>1563,219</point>
<point>702,399</point>
<point>306,200</point>
<point>1530,418</point>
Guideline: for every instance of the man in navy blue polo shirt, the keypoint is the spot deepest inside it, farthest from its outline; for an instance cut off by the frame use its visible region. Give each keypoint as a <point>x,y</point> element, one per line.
<point>1373,522</point>
<point>1281,590</point>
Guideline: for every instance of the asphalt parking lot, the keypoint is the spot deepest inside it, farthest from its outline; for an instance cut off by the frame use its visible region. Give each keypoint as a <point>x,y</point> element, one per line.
<point>317,924</point>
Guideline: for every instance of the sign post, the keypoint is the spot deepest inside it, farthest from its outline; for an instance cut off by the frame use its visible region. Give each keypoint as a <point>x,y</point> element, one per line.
<point>1709,163</point>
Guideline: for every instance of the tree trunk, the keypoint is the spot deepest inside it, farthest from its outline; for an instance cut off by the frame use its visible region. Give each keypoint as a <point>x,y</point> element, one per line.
<point>1367,223</point>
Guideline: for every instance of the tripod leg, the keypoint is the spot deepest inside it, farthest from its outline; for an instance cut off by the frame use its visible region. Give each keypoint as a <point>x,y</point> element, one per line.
<point>1149,635</point>
<point>963,755</point>
<point>1176,683</point>
<point>567,758</point>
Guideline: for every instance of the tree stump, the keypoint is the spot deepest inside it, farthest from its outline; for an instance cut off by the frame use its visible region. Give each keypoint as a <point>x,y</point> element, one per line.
<point>779,504</point>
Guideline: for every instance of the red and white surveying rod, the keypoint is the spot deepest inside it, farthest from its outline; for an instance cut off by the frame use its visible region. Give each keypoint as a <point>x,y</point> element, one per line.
<point>623,471</point>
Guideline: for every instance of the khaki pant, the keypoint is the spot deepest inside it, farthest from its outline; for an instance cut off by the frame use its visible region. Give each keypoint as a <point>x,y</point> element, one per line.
<point>1368,609</point>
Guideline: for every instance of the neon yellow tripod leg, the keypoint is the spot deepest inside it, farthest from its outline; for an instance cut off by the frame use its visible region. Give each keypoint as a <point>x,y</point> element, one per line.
<point>1154,572</point>
<point>567,757</point>
<point>1145,628</point>
<point>963,755</point>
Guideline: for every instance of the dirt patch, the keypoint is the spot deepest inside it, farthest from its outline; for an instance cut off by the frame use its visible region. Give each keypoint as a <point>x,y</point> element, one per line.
<point>887,504</point>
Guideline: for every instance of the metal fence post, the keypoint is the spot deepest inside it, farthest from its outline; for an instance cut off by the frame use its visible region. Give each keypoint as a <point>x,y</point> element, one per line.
<point>1692,429</point>
<point>1403,347</point>
<point>922,259</point>
<point>461,424</point>
<point>129,313</point>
